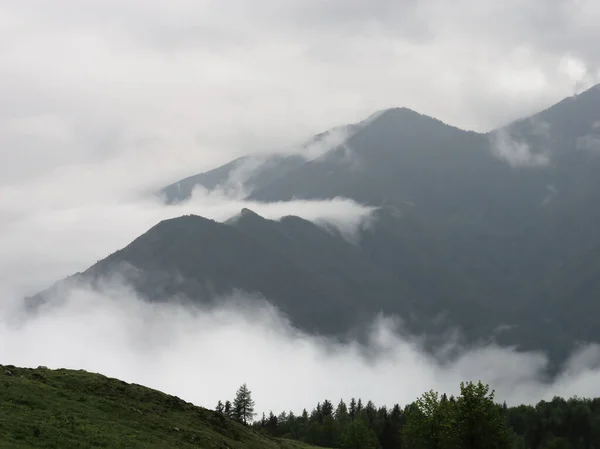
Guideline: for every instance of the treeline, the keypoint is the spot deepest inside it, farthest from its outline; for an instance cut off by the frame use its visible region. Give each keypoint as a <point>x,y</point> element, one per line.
<point>472,420</point>
<point>242,407</point>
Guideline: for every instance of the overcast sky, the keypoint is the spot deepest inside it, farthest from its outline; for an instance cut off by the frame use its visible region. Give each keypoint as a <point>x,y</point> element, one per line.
<point>104,99</point>
<point>189,83</point>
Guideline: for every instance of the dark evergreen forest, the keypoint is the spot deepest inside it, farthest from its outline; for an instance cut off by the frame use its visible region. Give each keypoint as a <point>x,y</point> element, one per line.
<point>471,420</point>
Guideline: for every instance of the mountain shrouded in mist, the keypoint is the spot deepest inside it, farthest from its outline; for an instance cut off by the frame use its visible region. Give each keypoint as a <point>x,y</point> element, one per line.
<point>497,233</point>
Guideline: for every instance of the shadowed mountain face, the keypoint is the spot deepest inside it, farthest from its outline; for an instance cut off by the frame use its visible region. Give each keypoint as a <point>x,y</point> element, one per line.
<point>249,173</point>
<point>498,233</point>
<point>323,282</point>
<point>242,174</point>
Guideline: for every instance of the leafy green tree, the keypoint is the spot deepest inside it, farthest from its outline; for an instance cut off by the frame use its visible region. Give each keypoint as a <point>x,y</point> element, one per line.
<point>479,421</point>
<point>243,405</point>
<point>430,423</point>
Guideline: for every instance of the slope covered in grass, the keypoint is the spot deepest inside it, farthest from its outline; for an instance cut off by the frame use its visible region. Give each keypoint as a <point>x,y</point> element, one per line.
<point>76,409</point>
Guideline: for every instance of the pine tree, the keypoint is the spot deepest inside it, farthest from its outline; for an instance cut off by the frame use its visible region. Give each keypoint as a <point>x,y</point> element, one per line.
<point>220,407</point>
<point>341,414</point>
<point>227,409</point>
<point>283,417</point>
<point>327,408</point>
<point>243,405</point>
<point>352,409</point>
<point>357,435</point>
<point>329,432</point>
<point>370,413</point>
<point>304,416</point>
<point>272,423</point>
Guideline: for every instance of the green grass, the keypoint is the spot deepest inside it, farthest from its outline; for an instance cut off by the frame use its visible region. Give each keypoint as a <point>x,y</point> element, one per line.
<point>75,409</point>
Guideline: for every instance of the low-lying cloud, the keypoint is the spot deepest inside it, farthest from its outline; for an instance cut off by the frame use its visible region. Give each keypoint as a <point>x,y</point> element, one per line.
<point>41,246</point>
<point>110,102</point>
<point>203,354</point>
<point>58,225</point>
<point>516,152</point>
<point>589,142</point>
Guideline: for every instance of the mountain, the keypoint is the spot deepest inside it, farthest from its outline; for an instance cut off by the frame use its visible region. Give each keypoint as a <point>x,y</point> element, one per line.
<point>521,234</point>
<point>293,263</point>
<point>245,173</point>
<point>323,282</point>
<point>497,233</point>
<point>249,173</point>
<point>66,409</point>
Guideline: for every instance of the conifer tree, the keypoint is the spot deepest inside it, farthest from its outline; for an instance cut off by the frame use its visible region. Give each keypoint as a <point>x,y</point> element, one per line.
<point>243,405</point>
<point>263,421</point>
<point>352,409</point>
<point>358,435</point>
<point>341,414</point>
<point>327,408</point>
<point>272,423</point>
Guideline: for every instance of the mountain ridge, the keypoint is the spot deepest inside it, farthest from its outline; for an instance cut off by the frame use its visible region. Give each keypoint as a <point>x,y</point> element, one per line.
<point>591,98</point>
<point>459,233</point>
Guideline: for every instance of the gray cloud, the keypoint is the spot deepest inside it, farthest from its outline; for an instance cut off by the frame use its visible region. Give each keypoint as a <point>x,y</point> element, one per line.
<point>200,82</point>
<point>203,355</point>
<point>516,152</point>
<point>590,141</point>
<point>52,229</point>
<point>64,223</point>
<point>104,101</point>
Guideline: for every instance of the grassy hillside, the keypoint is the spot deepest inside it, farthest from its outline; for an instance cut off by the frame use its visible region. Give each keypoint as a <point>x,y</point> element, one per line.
<point>76,409</point>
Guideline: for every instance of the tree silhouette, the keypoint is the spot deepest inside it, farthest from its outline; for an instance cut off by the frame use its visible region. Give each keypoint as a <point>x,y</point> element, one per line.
<point>243,405</point>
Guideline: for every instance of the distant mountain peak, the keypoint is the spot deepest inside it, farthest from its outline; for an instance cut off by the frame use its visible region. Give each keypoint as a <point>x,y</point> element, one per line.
<point>247,212</point>
<point>400,110</point>
<point>393,113</point>
<point>245,215</point>
<point>402,117</point>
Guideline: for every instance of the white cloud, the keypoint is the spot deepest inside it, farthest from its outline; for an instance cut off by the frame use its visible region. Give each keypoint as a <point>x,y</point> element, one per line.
<point>48,231</point>
<point>203,355</point>
<point>105,101</point>
<point>516,152</point>
<point>200,82</point>
<point>589,142</point>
